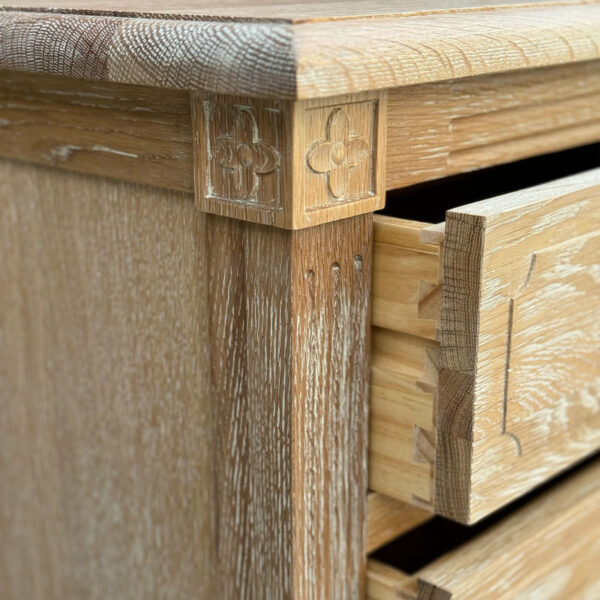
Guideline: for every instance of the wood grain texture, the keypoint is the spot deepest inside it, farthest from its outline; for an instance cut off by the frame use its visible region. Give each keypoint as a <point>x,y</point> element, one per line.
<point>406,278</point>
<point>329,52</point>
<point>388,518</point>
<point>519,283</point>
<point>440,129</point>
<point>404,375</point>
<point>230,58</point>
<point>545,550</point>
<point>143,134</point>
<point>405,360</point>
<point>289,372</point>
<point>549,549</point>
<point>290,164</point>
<point>520,343</point>
<point>250,392</point>
<point>132,133</point>
<point>359,54</point>
<point>106,481</point>
<point>385,582</point>
<point>289,10</point>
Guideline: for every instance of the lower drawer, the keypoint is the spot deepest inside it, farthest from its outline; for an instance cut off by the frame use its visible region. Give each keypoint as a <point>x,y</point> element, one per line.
<point>486,348</point>
<point>549,548</point>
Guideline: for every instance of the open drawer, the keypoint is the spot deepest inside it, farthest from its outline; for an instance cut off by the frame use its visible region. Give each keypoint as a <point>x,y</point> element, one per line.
<point>486,348</point>
<point>548,548</point>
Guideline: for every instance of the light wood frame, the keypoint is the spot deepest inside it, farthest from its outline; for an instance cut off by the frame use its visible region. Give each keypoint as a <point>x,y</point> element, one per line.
<point>289,188</point>
<point>286,223</point>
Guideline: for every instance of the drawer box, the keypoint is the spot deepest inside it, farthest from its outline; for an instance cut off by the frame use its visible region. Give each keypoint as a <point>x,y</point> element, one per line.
<point>547,548</point>
<point>486,348</point>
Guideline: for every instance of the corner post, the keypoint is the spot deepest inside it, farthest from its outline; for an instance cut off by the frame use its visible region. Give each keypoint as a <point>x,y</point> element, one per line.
<point>289,188</point>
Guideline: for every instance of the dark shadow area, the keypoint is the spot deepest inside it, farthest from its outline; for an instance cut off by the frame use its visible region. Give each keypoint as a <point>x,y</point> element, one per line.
<point>429,201</point>
<point>424,544</point>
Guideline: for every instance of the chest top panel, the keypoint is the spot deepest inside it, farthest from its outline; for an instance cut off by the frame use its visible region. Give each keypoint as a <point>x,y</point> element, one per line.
<point>287,50</point>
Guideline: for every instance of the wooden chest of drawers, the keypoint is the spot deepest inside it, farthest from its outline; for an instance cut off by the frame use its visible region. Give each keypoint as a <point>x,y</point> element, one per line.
<point>223,376</point>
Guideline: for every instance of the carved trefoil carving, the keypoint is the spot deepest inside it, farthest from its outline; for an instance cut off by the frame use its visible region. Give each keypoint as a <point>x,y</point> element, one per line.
<point>243,154</point>
<point>340,156</point>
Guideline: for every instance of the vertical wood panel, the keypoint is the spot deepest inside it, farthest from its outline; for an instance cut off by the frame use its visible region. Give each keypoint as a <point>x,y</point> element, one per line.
<point>105,477</point>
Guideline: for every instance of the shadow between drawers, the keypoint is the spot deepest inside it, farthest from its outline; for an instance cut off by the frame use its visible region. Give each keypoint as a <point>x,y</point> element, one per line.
<point>429,201</point>
<point>422,545</point>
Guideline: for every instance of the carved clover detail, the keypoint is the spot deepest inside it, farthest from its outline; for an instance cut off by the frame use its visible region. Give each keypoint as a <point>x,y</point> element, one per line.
<point>339,154</point>
<point>245,154</point>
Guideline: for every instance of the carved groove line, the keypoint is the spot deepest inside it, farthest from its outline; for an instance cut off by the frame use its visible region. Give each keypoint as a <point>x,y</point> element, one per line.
<point>509,335</point>
<point>507,378</point>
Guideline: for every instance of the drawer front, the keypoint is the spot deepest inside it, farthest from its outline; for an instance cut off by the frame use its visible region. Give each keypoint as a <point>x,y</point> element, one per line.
<point>516,386</point>
<point>549,548</point>
<point>519,381</point>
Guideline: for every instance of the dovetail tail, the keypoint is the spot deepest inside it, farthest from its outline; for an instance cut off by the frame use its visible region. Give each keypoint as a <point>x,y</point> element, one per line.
<point>423,446</point>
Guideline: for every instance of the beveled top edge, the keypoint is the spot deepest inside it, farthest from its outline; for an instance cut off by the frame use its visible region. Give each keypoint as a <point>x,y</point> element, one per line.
<point>297,59</point>
<point>249,58</point>
<point>273,10</point>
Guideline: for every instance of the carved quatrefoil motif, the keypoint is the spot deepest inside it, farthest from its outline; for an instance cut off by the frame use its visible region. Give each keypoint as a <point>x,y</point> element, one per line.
<point>339,154</point>
<point>245,154</point>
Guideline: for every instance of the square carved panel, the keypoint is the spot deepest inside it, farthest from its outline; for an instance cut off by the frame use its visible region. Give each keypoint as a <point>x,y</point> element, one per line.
<point>242,163</point>
<point>339,160</point>
<point>290,164</point>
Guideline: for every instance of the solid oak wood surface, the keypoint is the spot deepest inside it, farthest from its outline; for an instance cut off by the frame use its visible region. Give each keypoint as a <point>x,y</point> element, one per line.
<point>186,394</point>
<point>404,360</point>
<point>406,278</point>
<point>548,549</point>
<point>419,133</point>
<point>290,164</point>
<point>325,51</point>
<point>132,133</point>
<point>513,397</point>
<point>289,349</point>
<point>385,582</point>
<point>519,382</point>
<point>106,482</point>
<point>455,126</point>
<point>290,10</point>
<point>404,378</point>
